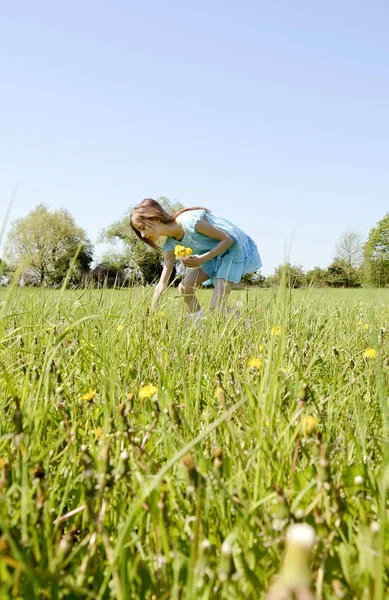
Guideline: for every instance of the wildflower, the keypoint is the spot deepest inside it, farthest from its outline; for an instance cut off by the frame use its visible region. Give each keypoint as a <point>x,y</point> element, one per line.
<point>182,252</point>
<point>255,362</point>
<point>308,424</point>
<point>358,480</point>
<point>366,326</point>
<point>276,330</point>
<point>220,395</point>
<point>89,396</point>
<point>370,353</point>
<point>147,391</point>
<point>99,433</point>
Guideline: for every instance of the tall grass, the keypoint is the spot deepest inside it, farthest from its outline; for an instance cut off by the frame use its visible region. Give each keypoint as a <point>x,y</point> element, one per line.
<point>108,493</point>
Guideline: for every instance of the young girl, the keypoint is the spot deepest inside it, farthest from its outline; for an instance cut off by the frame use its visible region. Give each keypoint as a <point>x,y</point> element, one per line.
<point>221,251</point>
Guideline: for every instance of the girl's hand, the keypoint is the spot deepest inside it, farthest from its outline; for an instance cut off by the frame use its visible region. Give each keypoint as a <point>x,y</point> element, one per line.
<point>196,260</point>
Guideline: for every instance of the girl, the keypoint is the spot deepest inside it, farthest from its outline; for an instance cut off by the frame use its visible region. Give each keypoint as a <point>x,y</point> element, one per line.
<point>221,251</point>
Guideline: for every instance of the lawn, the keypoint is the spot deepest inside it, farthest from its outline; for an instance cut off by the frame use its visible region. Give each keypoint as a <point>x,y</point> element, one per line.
<point>142,457</point>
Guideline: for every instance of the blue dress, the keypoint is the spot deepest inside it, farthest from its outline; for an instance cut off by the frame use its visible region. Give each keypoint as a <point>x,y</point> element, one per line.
<point>241,258</point>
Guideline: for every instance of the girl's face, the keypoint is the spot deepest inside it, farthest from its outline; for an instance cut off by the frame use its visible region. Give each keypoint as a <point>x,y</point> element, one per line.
<point>149,230</point>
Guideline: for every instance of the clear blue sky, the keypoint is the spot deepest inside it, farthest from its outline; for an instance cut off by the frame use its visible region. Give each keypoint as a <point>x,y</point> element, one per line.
<point>272,114</point>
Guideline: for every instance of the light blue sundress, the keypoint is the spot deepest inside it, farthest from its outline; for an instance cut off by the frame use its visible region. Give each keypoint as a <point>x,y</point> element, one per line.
<point>241,258</point>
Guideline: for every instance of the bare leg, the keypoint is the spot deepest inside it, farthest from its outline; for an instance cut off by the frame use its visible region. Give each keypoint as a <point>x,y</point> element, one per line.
<point>220,294</point>
<point>187,289</point>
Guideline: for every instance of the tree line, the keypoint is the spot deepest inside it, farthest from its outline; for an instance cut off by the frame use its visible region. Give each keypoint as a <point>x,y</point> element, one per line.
<point>46,247</point>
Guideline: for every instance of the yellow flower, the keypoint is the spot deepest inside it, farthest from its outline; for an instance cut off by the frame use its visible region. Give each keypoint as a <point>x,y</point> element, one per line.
<point>130,396</point>
<point>88,397</point>
<point>147,391</point>
<point>220,395</point>
<point>370,353</point>
<point>182,252</point>
<point>99,433</point>
<point>366,326</point>
<point>276,330</point>
<point>308,424</point>
<point>255,362</point>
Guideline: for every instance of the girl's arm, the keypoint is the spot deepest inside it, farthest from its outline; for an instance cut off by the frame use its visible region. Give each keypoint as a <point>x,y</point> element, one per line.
<point>168,265</point>
<point>225,242</point>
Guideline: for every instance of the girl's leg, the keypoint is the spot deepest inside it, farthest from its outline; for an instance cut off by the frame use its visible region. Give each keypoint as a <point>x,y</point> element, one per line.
<point>220,293</point>
<point>187,289</point>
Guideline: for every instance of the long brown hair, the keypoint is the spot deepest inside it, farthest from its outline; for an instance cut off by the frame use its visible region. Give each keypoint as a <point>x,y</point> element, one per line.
<point>151,209</point>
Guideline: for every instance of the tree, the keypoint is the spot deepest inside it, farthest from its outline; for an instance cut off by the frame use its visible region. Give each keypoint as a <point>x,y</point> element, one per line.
<point>341,274</point>
<point>3,267</point>
<point>293,275</point>
<point>45,243</point>
<point>376,252</point>
<point>129,251</point>
<point>316,277</point>
<point>253,279</point>
<point>349,249</point>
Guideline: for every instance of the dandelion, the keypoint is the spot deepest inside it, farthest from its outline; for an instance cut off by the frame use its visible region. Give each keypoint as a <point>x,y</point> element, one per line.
<point>370,353</point>
<point>182,252</point>
<point>147,391</point>
<point>308,424</point>
<point>89,396</point>
<point>220,395</point>
<point>276,330</point>
<point>99,433</point>
<point>255,363</point>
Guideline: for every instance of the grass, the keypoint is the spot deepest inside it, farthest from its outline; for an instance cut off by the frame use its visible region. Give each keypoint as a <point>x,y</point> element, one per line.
<point>109,493</point>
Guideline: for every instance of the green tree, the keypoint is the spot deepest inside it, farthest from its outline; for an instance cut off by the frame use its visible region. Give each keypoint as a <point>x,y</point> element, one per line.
<point>293,275</point>
<point>316,277</point>
<point>46,243</point>
<point>3,267</point>
<point>376,252</point>
<point>341,274</point>
<point>127,250</point>
<point>253,279</point>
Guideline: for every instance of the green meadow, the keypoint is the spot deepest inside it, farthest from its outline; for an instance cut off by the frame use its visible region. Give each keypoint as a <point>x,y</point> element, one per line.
<point>142,457</point>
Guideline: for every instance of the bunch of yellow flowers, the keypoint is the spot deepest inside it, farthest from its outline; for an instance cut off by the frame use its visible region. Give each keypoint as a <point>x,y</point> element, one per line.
<point>182,252</point>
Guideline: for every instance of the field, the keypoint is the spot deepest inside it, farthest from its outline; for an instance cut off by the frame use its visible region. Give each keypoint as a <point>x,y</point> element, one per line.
<point>141,457</point>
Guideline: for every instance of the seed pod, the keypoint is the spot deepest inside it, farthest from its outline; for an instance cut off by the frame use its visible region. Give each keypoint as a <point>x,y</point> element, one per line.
<point>226,564</point>
<point>294,579</point>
